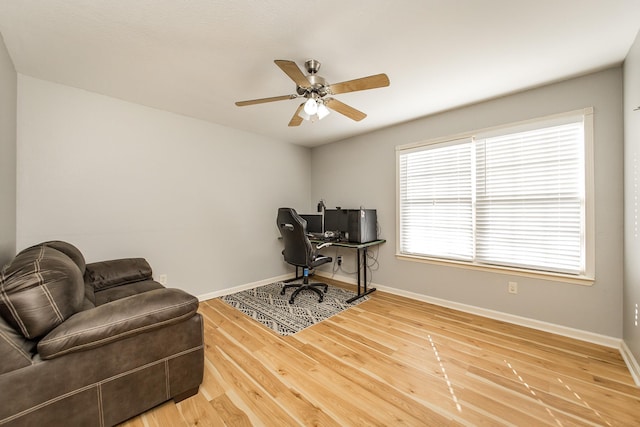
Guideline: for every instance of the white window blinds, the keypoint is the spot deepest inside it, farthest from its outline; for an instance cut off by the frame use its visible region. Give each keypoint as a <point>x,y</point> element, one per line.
<point>512,198</point>
<point>436,196</point>
<point>529,200</point>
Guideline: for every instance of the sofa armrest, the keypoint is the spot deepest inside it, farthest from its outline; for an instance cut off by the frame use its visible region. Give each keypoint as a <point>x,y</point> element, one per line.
<point>118,320</point>
<point>107,274</point>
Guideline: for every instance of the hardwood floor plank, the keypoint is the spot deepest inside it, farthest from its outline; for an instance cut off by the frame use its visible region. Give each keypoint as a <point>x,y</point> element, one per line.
<point>166,414</point>
<point>514,411</point>
<point>426,386</point>
<point>197,411</point>
<point>251,393</point>
<point>229,412</point>
<point>299,407</point>
<point>513,349</point>
<point>396,361</point>
<point>239,324</point>
<point>312,381</point>
<point>383,391</point>
<point>134,422</point>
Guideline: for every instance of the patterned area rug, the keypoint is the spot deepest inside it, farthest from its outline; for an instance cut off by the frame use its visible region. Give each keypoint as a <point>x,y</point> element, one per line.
<point>267,306</point>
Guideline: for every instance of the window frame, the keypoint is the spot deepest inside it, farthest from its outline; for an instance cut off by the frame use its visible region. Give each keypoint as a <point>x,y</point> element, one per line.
<point>588,277</point>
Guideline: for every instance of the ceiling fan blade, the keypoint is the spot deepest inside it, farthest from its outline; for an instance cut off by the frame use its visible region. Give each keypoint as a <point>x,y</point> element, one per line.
<point>293,71</point>
<point>364,83</point>
<point>296,120</point>
<point>344,109</point>
<point>263,100</point>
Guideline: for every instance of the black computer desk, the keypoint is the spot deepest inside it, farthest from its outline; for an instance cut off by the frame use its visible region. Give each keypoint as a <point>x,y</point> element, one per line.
<point>361,263</point>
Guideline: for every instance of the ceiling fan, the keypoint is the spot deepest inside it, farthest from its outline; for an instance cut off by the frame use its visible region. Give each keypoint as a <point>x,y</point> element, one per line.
<point>317,91</point>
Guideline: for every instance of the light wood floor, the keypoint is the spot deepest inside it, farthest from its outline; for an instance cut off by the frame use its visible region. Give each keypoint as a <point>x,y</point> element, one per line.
<point>393,361</point>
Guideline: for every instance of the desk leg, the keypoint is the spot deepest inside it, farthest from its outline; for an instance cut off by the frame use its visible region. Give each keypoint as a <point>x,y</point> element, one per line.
<point>362,265</point>
<point>359,266</point>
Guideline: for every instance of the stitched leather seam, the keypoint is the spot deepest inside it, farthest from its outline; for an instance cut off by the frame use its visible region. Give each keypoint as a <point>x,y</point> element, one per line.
<point>14,313</point>
<point>44,288</point>
<point>99,383</point>
<point>10,306</point>
<point>48,402</point>
<point>19,349</point>
<point>118,337</point>
<point>52,302</point>
<point>100,409</point>
<point>84,331</point>
<point>167,386</point>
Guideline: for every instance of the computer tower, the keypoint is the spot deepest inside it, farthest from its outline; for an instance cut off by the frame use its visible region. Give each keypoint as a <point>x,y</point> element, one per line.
<point>362,225</point>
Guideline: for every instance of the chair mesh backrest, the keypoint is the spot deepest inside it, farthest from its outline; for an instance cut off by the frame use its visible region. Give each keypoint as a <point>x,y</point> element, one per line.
<point>298,250</point>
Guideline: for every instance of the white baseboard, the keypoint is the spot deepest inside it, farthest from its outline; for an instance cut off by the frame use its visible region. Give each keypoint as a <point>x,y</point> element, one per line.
<point>492,314</point>
<point>216,294</point>
<point>631,362</point>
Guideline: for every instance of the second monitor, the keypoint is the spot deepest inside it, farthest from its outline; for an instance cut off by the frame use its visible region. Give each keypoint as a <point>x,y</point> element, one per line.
<point>314,223</point>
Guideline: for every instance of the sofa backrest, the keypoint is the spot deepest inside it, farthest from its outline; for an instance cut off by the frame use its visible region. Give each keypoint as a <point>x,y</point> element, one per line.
<point>40,289</point>
<point>15,351</point>
<point>68,249</point>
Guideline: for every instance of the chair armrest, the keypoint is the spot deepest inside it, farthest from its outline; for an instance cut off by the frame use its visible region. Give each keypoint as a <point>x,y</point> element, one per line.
<point>118,320</point>
<point>107,274</point>
<point>324,245</point>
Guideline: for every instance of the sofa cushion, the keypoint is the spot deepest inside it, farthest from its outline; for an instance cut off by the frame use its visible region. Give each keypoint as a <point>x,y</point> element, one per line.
<point>40,289</point>
<point>117,320</point>
<point>69,250</point>
<point>106,274</point>
<point>123,291</point>
<point>15,351</point>
<point>66,248</point>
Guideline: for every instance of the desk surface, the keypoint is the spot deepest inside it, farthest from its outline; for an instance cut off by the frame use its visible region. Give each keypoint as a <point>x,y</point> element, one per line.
<point>350,244</point>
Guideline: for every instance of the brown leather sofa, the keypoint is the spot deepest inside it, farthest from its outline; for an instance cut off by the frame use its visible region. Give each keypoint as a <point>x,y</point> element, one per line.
<point>94,344</point>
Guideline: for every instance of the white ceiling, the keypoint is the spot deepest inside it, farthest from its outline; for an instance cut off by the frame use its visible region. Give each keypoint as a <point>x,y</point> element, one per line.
<point>197,57</point>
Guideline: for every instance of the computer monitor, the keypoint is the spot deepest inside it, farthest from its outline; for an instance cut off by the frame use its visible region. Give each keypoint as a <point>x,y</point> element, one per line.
<point>336,220</point>
<point>314,222</point>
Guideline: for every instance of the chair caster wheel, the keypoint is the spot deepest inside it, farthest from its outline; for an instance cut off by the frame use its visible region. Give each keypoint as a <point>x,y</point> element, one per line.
<point>291,301</point>
<point>282,291</point>
<point>320,299</point>
<point>326,289</point>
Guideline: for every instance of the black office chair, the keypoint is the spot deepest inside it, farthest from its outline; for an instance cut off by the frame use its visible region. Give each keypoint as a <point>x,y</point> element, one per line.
<point>299,251</point>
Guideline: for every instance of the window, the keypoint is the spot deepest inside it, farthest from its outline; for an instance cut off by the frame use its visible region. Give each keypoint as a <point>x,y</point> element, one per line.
<point>512,197</point>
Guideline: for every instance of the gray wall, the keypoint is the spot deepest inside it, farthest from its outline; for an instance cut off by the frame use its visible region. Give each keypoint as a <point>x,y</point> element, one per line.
<point>8,99</point>
<point>117,179</point>
<point>361,172</point>
<point>632,199</point>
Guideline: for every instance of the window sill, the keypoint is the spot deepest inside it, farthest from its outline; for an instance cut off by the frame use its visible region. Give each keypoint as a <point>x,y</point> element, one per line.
<point>557,277</point>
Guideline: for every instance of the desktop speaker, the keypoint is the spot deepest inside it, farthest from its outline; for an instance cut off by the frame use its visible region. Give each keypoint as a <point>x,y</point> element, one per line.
<point>362,225</point>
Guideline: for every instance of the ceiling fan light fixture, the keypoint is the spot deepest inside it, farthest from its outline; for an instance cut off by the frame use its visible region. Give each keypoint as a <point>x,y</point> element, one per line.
<point>323,111</point>
<point>311,107</point>
<point>304,115</point>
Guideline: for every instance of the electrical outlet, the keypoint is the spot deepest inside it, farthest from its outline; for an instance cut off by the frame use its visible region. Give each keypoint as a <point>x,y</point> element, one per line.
<point>339,259</point>
<point>513,287</point>
<point>162,279</point>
